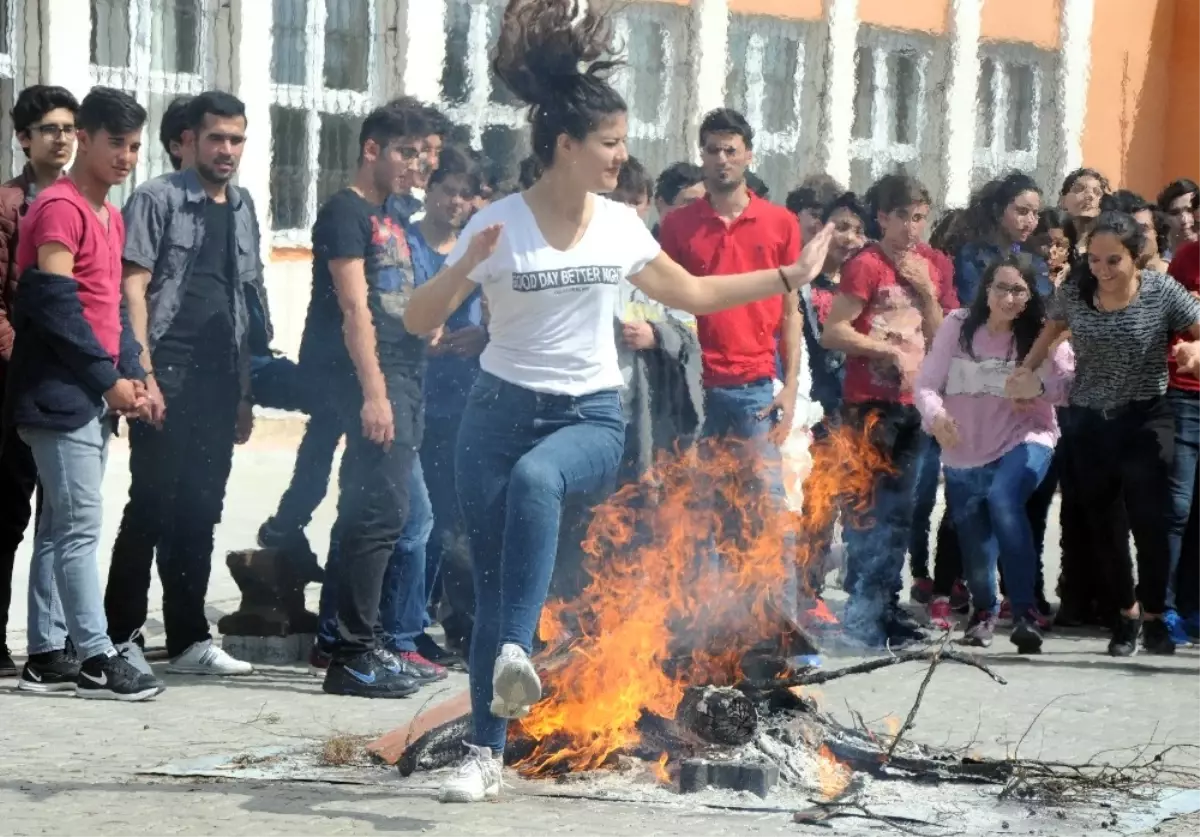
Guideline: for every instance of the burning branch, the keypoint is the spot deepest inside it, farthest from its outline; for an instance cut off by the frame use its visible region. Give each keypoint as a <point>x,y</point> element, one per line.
<point>912,713</point>
<point>815,678</point>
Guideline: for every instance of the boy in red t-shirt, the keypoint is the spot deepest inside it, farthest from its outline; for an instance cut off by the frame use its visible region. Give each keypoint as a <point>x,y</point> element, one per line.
<point>888,307</point>
<point>1183,606</point>
<point>74,369</point>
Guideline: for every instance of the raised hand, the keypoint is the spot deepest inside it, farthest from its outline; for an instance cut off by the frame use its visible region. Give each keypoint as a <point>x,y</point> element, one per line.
<point>483,244</point>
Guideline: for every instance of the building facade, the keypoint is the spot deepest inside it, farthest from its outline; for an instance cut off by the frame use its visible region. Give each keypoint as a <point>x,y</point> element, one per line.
<point>953,91</point>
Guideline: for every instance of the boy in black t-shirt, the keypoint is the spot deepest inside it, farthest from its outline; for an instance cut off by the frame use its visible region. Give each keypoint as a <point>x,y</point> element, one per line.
<point>356,348</point>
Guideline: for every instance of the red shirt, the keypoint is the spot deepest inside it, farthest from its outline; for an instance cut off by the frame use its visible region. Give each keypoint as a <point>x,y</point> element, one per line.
<point>1185,268</point>
<point>739,345</point>
<point>61,215</point>
<point>890,314</point>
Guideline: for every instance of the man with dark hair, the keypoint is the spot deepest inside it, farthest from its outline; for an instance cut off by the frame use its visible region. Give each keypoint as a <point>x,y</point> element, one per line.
<point>356,348</point>
<point>1180,201</point>
<point>732,230</point>
<point>678,185</point>
<point>170,133</point>
<point>193,284</point>
<point>633,187</point>
<point>807,207</point>
<point>75,368</point>
<point>408,204</point>
<point>44,122</point>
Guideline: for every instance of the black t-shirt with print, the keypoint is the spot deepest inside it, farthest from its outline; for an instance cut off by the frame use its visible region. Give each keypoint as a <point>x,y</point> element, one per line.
<point>349,227</point>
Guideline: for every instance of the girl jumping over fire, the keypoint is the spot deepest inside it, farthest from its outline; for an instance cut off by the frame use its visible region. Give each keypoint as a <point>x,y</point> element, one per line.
<point>544,419</point>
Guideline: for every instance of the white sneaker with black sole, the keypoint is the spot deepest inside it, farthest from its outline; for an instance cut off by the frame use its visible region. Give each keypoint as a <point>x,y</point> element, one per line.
<point>109,676</point>
<point>516,686</point>
<point>206,658</point>
<point>477,779</point>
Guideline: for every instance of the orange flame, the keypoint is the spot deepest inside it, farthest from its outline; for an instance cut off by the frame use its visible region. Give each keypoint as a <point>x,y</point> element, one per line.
<point>660,770</point>
<point>655,617</point>
<point>832,775</point>
<point>821,613</point>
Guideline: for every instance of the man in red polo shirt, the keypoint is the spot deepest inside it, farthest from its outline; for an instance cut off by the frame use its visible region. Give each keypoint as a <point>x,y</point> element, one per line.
<point>731,230</point>
<point>1183,608</point>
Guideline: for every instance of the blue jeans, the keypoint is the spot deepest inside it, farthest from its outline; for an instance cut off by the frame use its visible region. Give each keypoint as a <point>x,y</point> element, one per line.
<point>520,455</point>
<point>1183,477</point>
<point>399,586</point>
<point>929,467</point>
<point>402,609</point>
<point>877,541</point>
<point>437,460</point>
<point>65,597</point>
<point>735,413</point>
<point>988,506</point>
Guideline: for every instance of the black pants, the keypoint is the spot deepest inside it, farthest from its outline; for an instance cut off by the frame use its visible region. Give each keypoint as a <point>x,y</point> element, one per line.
<point>18,476</point>
<point>176,494</point>
<point>310,477</point>
<point>372,507</point>
<point>1130,460</point>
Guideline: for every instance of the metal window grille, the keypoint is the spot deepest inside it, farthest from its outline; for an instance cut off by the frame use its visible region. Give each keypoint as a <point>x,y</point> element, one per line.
<point>324,81</point>
<point>654,83</point>
<point>20,59</point>
<point>769,63</point>
<point>891,132</point>
<point>155,50</point>
<point>471,93</point>
<point>1013,129</point>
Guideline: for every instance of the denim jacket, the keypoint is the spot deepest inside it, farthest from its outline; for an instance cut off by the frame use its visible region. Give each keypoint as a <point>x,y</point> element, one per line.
<point>164,223</point>
<point>973,260</point>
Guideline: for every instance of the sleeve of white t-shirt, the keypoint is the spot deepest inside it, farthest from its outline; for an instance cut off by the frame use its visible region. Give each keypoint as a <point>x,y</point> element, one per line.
<point>638,245</point>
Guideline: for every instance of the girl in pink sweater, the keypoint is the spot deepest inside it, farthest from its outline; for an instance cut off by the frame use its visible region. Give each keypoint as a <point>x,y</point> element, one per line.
<point>995,450</point>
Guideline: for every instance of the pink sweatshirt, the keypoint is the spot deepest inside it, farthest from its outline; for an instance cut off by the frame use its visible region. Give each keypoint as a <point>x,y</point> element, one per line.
<point>971,391</point>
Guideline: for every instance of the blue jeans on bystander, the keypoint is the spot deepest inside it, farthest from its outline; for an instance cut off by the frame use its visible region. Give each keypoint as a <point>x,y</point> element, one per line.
<point>988,506</point>
<point>1183,480</point>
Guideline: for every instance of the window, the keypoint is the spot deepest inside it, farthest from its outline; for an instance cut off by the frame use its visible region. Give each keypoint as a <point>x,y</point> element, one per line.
<point>765,82</point>
<point>154,50</point>
<point>1009,117</point>
<point>324,80</point>
<point>12,159</point>
<point>891,131</point>
<point>654,39</point>
<point>471,93</point>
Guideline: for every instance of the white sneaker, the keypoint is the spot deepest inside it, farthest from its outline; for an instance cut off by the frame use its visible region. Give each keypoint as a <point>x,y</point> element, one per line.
<point>206,658</point>
<point>476,779</point>
<point>515,683</point>
<point>133,653</point>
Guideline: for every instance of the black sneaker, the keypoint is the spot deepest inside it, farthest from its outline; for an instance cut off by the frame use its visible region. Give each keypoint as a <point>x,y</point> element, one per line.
<point>110,676</point>
<point>1124,640</point>
<point>1026,634</point>
<point>428,648</point>
<point>900,627</point>
<point>53,671</point>
<point>405,665</point>
<point>295,546</point>
<point>8,666</point>
<point>1156,638</point>
<point>367,676</point>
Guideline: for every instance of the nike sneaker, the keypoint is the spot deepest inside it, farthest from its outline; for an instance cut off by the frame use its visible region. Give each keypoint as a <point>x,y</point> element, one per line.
<point>367,676</point>
<point>109,676</point>
<point>54,671</point>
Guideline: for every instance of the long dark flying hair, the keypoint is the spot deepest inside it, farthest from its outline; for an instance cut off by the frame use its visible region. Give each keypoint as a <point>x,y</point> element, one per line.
<point>1028,323</point>
<point>542,46</point>
<point>1131,237</point>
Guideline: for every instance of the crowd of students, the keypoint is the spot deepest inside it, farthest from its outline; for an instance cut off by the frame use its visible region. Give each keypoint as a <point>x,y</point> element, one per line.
<point>496,360</point>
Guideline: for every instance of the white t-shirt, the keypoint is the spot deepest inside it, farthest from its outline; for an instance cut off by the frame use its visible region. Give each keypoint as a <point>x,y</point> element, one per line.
<point>551,311</point>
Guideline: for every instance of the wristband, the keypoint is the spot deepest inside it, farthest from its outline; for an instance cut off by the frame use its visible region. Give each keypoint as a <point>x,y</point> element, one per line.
<point>783,278</point>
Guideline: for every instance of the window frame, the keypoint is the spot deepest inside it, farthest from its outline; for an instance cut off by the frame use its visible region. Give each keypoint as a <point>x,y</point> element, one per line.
<point>881,153</point>
<point>479,112</point>
<point>315,99</point>
<point>791,142</point>
<point>989,161</point>
<point>141,81</point>
<point>12,67</point>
